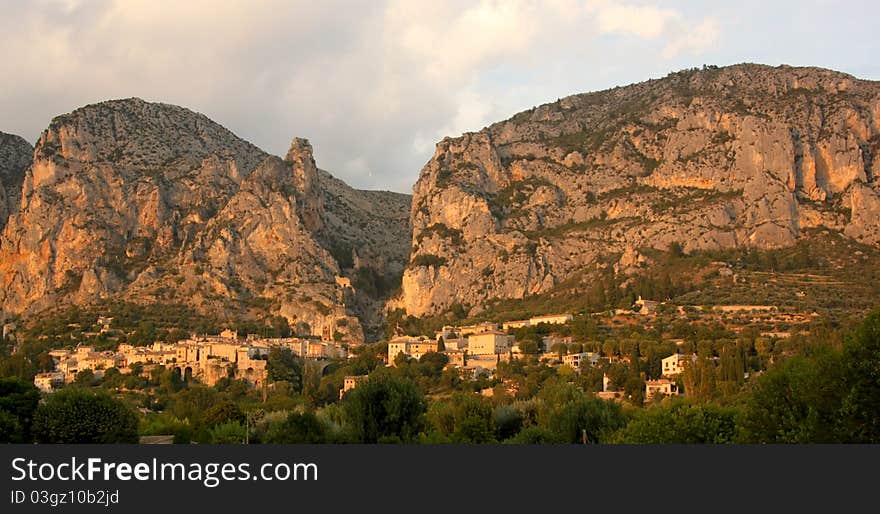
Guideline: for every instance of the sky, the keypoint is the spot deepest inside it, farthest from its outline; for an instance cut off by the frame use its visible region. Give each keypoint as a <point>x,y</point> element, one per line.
<point>375,84</point>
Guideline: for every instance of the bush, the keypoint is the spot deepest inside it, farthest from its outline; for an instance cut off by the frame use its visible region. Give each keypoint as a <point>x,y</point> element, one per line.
<point>466,419</point>
<point>535,435</point>
<point>225,411</point>
<point>79,416</point>
<point>18,401</point>
<point>232,432</point>
<point>680,423</point>
<point>298,428</point>
<point>385,409</point>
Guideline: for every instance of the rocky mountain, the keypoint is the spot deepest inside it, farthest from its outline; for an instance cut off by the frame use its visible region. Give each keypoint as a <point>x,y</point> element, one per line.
<point>15,156</point>
<point>155,204</point>
<point>743,156</point>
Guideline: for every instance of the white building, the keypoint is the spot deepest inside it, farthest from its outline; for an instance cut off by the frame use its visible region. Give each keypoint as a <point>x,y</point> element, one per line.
<point>47,382</point>
<point>553,319</point>
<point>663,386</point>
<point>410,346</point>
<point>507,325</point>
<point>674,364</point>
<point>479,328</point>
<point>576,360</point>
<point>488,343</point>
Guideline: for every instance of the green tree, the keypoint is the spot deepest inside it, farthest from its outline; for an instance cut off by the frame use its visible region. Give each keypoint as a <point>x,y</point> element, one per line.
<point>566,412</point>
<point>76,415</point>
<point>85,377</point>
<point>465,419</point>
<point>224,411</point>
<point>232,432</point>
<point>112,378</point>
<point>18,402</point>
<point>433,363</point>
<point>136,369</point>
<point>193,402</point>
<point>18,365</point>
<point>508,421</point>
<point>535,435</point>
<point>297,428</point>
<point>10,429</point>
<point>680,422</point>
<point>584,327</point>
<point>597,418</point>
<point>559,349</point>
<point>311,381</point>
<point>385,409</point>
<point>529,346</point>
<point>828,396</point>
<point>795,402</point>
<point>860,408</point>
<point>284,365</point>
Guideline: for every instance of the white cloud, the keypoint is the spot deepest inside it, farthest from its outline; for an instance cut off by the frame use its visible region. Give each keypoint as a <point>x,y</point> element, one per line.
<point>682,35</point>
<point>693,40</point>
<point>453,43</point>
<point>641,21</point>
<point>373,84</point>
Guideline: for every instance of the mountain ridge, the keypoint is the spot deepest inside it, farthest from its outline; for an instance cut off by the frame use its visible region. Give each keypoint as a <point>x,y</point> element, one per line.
<point>742,156</point>
<point>155,203</point>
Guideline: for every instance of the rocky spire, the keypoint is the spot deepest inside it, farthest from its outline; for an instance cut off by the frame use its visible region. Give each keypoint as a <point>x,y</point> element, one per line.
<point>305,176</point>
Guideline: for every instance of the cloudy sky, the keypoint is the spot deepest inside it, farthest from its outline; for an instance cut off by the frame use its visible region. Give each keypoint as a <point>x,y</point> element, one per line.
<point>375,84</point>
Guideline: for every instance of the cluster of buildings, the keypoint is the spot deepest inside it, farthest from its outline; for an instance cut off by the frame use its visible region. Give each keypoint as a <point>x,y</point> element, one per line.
<point>671,367</point>
<point>552,319</point>
<point>206,358</point>
<point>478,348</point>
<point>475,348</point>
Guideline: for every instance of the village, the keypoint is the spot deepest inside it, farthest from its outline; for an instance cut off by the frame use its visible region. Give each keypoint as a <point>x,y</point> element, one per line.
<point>475,351</point>
<point>205,358</point>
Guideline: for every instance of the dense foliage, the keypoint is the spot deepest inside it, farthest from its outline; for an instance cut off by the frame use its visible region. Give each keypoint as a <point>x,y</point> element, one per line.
<point>77,415</point>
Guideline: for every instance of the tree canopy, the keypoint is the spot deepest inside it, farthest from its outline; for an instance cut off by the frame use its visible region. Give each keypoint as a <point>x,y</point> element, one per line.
<point>78,415</point>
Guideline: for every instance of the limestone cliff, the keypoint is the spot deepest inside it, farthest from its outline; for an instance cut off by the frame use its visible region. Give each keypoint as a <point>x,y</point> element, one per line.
<point>743,156</point>
<point>15,156</point>
<point>154,203</point>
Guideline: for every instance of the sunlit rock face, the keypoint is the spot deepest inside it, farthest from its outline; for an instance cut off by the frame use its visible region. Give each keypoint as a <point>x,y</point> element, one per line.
<point>743,156</point>
<point>154,203</point>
